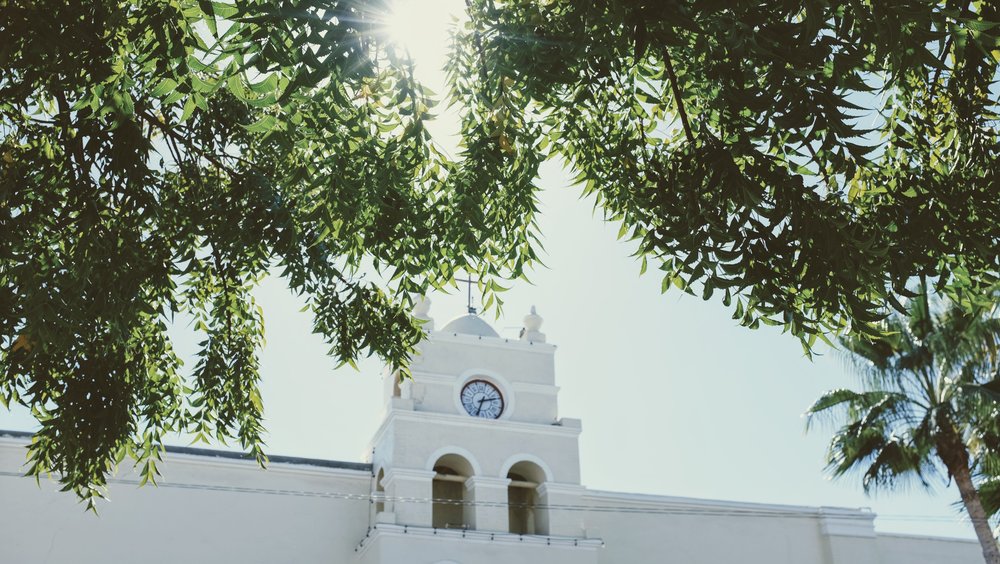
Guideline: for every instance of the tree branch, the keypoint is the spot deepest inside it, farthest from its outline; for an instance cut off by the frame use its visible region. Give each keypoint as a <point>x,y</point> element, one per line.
<point>669,65</point>
<point>179,138</point>
<point>944,58</point>
<point>73,143</point>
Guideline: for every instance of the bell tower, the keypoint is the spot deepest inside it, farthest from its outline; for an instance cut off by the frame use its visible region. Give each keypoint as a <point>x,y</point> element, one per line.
<point>474,441</point>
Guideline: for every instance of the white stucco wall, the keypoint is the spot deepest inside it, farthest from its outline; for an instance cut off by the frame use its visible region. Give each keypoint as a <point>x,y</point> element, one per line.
<point>220,510</point>
<point>450,354</point>
<point>413,440</point>
<point>523,371</point>
<point>213,509</point>
<point>691,532</point>
<point>185,519</point>
<point>696,531</point>
<point>395,545</point>
<point>927,550</point>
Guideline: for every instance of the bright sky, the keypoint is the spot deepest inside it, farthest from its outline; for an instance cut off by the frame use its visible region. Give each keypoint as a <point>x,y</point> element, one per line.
<point>675,397</point>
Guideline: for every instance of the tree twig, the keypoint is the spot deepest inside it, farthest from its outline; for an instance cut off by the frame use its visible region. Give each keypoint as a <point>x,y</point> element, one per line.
<point>73,142</point>
<point>177,137</point>
<point>944,57</point>
<point>819,166</point>
<point>669,65</point>
<point>224,276</point>
<point>483,75</point>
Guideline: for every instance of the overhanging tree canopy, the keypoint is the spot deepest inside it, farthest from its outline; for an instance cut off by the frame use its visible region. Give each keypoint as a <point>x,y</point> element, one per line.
<point>805,159</point>
<point>808,159</point>
<point>160,157</point>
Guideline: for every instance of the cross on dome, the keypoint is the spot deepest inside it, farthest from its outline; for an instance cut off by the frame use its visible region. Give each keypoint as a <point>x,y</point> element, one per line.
<point>470,282</point>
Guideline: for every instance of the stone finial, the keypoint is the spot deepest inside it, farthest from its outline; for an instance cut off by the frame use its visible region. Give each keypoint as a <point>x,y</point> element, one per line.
<point>421,310</point>
<point>532,324</point>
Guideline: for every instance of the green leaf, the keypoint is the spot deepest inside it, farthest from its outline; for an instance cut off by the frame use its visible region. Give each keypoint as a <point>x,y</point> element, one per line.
<point>267,86</point>
<point>189,108</point>
<point>199,85</point>
<point>224,10</point>
<point>165,86</point>
<point>264,125</point>
<point>235,84</point>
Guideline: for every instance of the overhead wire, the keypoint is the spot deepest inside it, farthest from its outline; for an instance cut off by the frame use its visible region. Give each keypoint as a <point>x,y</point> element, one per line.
<point>675,509</point>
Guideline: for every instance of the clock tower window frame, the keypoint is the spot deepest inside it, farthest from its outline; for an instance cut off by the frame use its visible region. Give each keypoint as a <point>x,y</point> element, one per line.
<point>451,506</point>
<point>526,514</point>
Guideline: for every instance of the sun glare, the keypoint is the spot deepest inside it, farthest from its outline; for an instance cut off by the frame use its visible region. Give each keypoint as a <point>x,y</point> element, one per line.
<point>422,27</point>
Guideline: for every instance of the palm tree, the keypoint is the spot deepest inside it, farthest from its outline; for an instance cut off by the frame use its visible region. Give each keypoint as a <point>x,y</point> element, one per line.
<point>928,406</point>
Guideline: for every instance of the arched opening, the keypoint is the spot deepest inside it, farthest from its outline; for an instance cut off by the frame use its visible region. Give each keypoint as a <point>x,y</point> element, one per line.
<point>450,509</point>
<point>526,517</point>
<point>379,492</point>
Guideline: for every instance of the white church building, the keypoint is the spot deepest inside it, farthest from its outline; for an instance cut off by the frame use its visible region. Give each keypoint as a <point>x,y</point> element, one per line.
<point>472,464</point>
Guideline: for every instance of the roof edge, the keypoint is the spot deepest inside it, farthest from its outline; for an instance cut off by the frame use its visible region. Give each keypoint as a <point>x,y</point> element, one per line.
<point>234,455</point>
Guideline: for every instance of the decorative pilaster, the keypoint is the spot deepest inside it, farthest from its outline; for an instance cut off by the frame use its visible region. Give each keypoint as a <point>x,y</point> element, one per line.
<point>489,510</point>
<point>408,494</point>
<point>849,535</point>
<point>558,518</point>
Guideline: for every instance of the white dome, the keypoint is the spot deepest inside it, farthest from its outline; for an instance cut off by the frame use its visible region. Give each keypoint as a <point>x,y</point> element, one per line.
<point>470,325</point>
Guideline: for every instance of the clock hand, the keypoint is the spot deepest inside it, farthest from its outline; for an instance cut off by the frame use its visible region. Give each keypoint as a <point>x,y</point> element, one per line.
<point>481,404</point>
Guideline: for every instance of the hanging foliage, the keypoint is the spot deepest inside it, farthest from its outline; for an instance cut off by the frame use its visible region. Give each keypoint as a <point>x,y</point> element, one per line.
<point>805,160</point>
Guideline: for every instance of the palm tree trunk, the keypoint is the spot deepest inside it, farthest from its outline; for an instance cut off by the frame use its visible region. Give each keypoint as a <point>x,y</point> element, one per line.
<point>974,507</point>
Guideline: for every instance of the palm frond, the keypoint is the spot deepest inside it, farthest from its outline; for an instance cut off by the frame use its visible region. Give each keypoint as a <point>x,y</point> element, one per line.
<point>891,409</point>
<point>896,462</point>
<point>867,352</point>
<point>984,443</point>
<point>840,398</point>
<point>923,433</point>
<point>989,494</point>
<point>989,391</point>
<point>972,340</point>
<point>936,371</point>
<point>853,447</point>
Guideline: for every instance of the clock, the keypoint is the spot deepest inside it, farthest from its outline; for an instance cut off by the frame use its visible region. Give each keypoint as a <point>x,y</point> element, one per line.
<point>482,399</point>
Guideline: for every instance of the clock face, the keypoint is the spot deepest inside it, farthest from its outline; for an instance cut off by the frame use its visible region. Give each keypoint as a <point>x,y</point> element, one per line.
<point>482,399</point>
